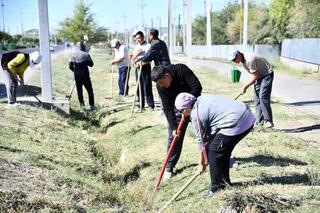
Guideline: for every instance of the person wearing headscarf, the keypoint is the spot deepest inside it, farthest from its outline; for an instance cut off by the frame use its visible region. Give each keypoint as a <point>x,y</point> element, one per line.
<point>219,123</point>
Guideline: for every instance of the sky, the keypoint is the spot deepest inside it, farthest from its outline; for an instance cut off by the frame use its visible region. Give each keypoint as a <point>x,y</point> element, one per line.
<point>116,15</point>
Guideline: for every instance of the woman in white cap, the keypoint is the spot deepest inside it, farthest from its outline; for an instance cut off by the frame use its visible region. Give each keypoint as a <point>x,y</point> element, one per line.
<point>219,123</point>
<point>14,65</point>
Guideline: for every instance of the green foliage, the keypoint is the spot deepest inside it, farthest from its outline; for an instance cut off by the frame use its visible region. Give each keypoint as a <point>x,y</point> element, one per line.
<point>219,21</point>
<point>304,19</point>
<point>199,30</point>
<point>5,37</point>
<point>82,23</point>
<point>280,16</point>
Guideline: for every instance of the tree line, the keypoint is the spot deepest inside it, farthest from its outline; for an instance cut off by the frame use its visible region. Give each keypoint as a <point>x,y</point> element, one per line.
<point>267,24</point>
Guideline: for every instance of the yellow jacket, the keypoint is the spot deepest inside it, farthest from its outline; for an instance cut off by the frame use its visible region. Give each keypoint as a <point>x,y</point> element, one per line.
<point>15,66</point>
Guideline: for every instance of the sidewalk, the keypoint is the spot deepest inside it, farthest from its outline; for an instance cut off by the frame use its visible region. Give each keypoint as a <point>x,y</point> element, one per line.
<point>303,94</point>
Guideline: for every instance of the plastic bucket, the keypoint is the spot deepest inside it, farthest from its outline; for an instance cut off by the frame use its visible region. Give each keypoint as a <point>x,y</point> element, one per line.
<point>235,75</point>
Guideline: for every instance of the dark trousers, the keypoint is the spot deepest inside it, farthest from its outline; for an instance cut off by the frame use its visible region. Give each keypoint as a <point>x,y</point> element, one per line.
<point>145,85</point>
<point>122,80</point>
<point>262,93</point>
<point>175,155</point>
<point>86,82</point>
<point>219,152</point>
<point>11,87</point>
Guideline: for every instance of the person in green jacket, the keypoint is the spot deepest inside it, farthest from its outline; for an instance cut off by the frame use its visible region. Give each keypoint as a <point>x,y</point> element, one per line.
<point>14,65</point>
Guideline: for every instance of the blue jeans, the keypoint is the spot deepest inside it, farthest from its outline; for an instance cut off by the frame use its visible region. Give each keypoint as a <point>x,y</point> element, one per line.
<point>122,80</point>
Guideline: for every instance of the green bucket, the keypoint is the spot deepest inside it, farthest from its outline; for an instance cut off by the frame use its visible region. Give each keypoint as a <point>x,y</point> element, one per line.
<point>235,75</point>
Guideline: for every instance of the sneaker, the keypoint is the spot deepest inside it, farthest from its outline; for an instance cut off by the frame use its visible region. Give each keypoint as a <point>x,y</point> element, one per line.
<point>233,163</point>
<point>167,176</point>
<point>13,104</point>
<point>150,109</point>
<point>208,194</point>
<point>160,113</point>
<point>268,124</point>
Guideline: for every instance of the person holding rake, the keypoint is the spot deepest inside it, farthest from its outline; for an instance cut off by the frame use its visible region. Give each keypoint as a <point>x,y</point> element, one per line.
<point>219,124</point>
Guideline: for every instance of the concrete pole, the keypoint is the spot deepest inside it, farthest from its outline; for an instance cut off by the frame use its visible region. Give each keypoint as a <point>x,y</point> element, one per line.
<point>208,6</point>
<point>170,30</point>
<point>245,25</point>
<point>174,36</point>
<point>46,79</point>
<point>189,30</point>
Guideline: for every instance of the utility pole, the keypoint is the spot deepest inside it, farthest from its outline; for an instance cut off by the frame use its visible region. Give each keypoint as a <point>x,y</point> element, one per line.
<point>46,79</point>
<point>189,30</point>
<point>159,21</point>
<point>179,29</point>
<point>3,27</point>
<point>208,7</point>
<point>21,16</point>
<point>170,30</point>
<point>245,24</point>
<point>141,5</point>
<point>184,27</point>
<point>124,17</point>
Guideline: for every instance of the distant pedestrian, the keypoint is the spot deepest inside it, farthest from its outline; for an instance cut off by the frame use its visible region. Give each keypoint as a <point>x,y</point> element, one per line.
<point>172,80</point>
<point>121,58</point>
<point>79,62</point>
<point>262,78</point>
<point>219,124</point>
<point>140,51</point>
<point>14,65</point>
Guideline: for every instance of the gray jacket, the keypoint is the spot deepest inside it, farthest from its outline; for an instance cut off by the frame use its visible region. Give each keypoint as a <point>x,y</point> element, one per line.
<point>217,113</point>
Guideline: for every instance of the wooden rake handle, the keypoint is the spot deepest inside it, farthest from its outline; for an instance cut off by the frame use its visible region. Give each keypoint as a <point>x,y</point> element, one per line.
<point>180,191</point>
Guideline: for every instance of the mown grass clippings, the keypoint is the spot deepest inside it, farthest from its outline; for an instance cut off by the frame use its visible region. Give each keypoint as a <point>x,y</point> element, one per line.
<point>241,201</point>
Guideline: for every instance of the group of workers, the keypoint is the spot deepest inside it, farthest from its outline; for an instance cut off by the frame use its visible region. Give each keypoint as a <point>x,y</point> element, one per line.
<point>219,123</point>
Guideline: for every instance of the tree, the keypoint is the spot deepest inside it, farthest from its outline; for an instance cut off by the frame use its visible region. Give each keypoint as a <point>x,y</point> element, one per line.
<point>82,23</point>
<point>199,30</point>
<point>304,19</point>
<point>219,21</point>
<point>280,16</point>
<point>5,38</point>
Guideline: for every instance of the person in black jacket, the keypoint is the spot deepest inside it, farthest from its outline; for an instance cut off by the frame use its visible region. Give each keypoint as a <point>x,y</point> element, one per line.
<point>158,51</point>
<point>172,80</point>
<point>79,63</point>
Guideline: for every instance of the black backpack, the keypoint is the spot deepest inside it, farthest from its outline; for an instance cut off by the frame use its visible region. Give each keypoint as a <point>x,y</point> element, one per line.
<point>7,57</point>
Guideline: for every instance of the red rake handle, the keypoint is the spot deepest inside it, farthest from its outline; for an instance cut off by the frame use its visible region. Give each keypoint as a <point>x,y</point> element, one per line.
<point>174,141</point>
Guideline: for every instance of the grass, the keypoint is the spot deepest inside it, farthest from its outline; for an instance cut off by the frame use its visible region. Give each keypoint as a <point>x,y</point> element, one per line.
<point>305,74</point>
<point>300,74</point>
<point>107,160</point>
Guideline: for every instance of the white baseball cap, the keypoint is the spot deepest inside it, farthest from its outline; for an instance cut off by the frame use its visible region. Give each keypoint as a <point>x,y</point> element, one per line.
<point>35,57</point>
<point>114,42</point>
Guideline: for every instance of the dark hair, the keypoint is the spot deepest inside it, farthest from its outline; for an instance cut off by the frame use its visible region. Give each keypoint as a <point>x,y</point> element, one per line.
<point>82,46</point>
<point>139,33</point>
<point>154,32</point>
<point>158,72</point>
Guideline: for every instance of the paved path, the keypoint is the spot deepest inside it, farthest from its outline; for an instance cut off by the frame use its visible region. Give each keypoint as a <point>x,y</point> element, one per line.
<point>304,94</point>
